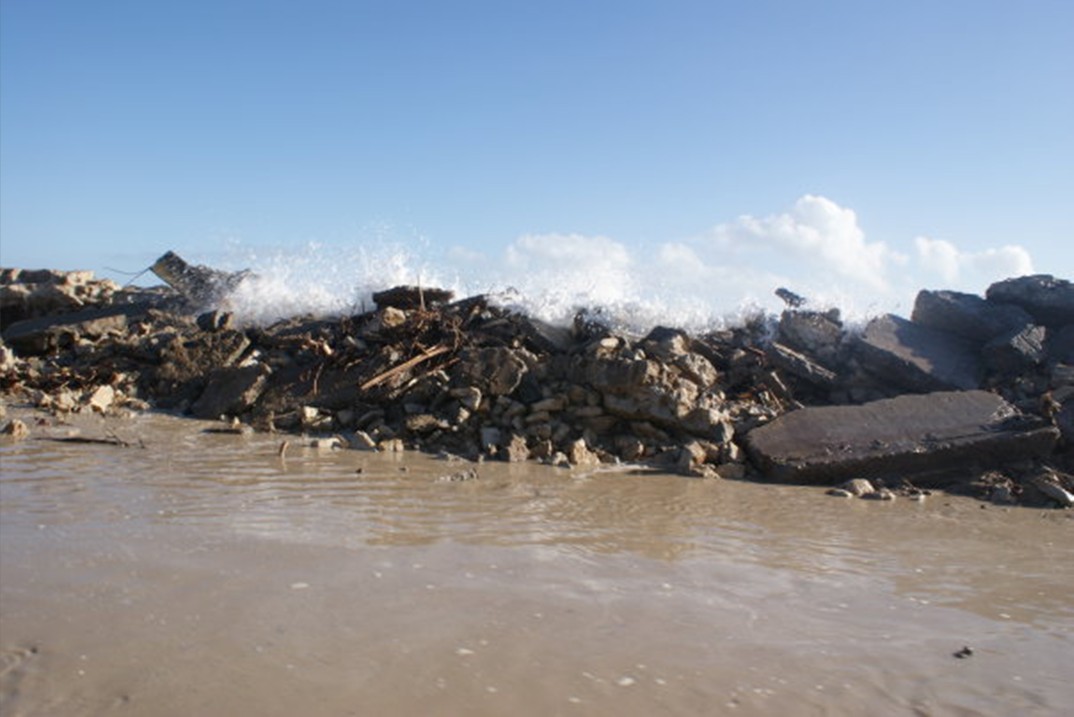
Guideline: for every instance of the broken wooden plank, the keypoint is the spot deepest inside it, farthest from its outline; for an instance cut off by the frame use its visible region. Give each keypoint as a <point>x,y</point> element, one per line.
<point>406,365</point>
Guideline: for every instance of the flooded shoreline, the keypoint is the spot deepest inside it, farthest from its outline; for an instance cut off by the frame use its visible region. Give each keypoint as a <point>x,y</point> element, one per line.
<point>205,574</point>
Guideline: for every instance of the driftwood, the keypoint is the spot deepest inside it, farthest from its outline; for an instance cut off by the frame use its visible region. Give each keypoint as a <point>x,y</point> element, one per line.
<point>406,365</point>
<point>109,441</point>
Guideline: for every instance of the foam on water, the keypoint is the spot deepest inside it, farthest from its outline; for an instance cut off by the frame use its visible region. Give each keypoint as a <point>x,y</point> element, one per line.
<point>631,293</point>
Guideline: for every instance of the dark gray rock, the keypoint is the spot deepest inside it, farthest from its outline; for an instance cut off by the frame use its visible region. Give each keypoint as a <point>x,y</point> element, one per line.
<point>411,297</point>
<point>496,371</point>
<point>37,336</point>
<point>231,391</point>
<point>1015,351</point>
<point>216,321</point>
<point>967,315</point>
<point>1060,345</point>
<point>1064,420</point>
<point>896,437</point>
<point>1048,300</point>
<point>917,358</point>
<point>545,336</point>
<point>800,365</point>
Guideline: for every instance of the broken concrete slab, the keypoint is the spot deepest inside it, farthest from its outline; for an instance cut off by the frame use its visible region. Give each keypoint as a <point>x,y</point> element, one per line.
<point>231,391</point>
<point>38,336</point>
<point>1049,300</point>
<point>800,365</point>
<point>409,298</point>
<point>199,284</point>
<point>897,437</point>
<point>916,357</point>
<point>813,333</point>
<point>967,315</point>
<point>1015,351</point>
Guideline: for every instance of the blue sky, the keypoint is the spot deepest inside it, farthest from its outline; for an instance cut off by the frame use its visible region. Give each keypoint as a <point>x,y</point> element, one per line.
<point>921,142</point>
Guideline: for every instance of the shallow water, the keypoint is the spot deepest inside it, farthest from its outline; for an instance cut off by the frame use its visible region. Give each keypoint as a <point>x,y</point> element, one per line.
<point>204,574</point>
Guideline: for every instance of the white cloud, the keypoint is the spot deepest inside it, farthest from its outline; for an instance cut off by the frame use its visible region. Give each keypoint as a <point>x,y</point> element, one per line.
<point>820,233</point>
<point>972,270</point>
<point>567,250</point>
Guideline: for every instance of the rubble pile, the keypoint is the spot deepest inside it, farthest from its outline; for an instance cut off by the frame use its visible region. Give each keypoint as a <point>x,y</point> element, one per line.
<point>975,390</point>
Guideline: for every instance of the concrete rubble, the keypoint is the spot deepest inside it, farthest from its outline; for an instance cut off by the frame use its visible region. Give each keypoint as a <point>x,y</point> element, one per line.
<point>971,391</point>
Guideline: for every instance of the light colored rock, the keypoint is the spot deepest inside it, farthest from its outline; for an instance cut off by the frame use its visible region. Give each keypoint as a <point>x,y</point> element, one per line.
<point>16,429</point>
<point>580,455</point>
<point>468,396</point>
<point>516,449</point>
<point>858,487</point>
<point>1054,491</point>
<point>327,444</point>
<point>101,399</point>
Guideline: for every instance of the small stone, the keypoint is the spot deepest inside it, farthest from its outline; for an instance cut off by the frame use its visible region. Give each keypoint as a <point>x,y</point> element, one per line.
<point>101,399</point>
<point>580,454</point>
<point>549,405</point>
<point>731,471</point>
<point>517,450</point>
<point>840,493</point>
<point>469,397</point>
<point>327,444</point>
<point>858,487</point>
<point>882,494</point>
<point>16,429</point>
<point>459,477</point>
<point>1003,495</point>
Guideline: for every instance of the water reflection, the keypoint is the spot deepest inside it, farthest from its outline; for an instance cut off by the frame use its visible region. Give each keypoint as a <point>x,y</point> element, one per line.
<point>993,563</point>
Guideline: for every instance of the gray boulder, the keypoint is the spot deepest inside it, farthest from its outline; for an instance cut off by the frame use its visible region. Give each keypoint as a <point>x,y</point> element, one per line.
<point>231,391</point>
<point>967,315</point>
<point>1016,350</point>
<point>1048,300</point>
<point>1060,345</point>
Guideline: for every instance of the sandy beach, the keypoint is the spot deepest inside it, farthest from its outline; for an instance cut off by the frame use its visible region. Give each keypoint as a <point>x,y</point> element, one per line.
<point>204,574</point>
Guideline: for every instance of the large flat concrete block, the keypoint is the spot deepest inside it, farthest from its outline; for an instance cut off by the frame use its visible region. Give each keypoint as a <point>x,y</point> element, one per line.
<point>896,437</point>
<point>918,358</point>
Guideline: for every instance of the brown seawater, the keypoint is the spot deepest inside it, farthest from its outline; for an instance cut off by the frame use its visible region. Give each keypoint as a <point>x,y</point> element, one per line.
<point>204,574</point>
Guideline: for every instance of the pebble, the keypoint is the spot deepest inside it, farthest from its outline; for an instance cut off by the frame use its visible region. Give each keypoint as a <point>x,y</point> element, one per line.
<point>16,429</point>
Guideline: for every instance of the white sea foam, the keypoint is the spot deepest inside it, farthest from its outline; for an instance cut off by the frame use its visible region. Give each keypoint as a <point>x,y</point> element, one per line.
<point>551,277</point>
<point>815,248</point>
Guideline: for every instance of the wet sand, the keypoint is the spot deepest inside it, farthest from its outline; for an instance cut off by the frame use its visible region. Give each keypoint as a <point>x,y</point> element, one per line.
<point>205,575</point>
